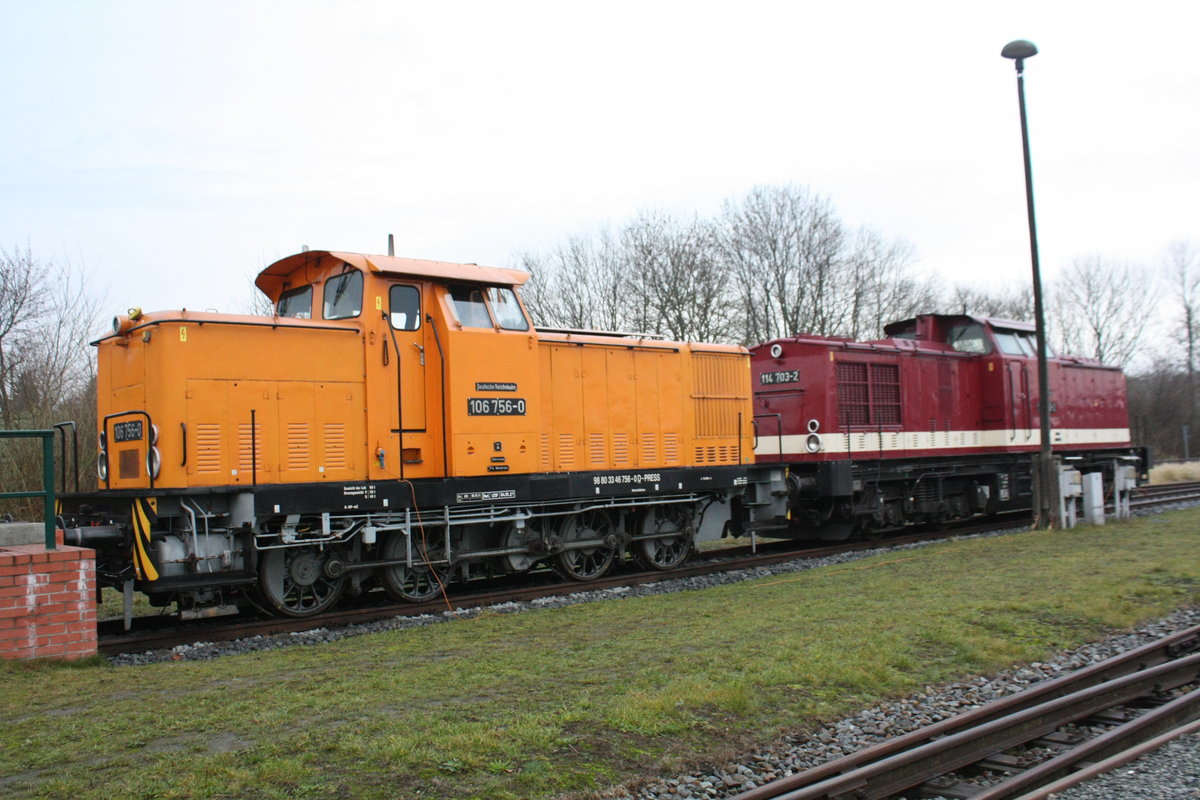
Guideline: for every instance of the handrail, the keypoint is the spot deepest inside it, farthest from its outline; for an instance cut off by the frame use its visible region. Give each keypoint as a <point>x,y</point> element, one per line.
<point>47,492</point>
<point>61,427</point>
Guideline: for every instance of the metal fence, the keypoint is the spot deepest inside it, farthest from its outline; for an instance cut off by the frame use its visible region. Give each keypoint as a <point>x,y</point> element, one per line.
<point>47,492</point>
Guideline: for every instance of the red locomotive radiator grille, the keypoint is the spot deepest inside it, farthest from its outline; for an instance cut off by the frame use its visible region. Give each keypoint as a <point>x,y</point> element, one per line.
<point>868,394</point>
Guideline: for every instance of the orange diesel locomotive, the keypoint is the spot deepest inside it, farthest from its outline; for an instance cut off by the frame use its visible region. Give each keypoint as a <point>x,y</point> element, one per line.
<point>402,422</point>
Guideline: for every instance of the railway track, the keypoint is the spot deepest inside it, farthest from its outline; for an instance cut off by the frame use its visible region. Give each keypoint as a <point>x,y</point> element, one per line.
<point>1029,744</point>
<point>165,632</point>
<point>159,633</point>
<point>1150,496</point>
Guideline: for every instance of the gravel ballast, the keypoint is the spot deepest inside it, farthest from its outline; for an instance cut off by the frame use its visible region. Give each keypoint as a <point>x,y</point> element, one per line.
<point>201,651</point>
<point>794,754</point>
<point>1171,772</point>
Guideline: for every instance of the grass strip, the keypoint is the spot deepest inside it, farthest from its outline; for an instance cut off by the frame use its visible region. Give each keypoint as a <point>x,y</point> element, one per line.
<point>571,700</point>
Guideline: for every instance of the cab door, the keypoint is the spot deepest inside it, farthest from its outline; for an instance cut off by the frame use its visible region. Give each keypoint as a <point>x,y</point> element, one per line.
<point>399,363</point>
<point>406,356</point>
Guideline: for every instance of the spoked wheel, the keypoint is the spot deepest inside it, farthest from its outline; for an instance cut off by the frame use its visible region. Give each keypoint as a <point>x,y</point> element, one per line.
<point>416,584</point>
<point>587,563</point>
<point>523,539</point>
<point>671,525</point>
<point>293,581</point>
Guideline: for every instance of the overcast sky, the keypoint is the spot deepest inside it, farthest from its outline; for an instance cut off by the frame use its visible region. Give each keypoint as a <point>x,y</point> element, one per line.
<point>176,148</point>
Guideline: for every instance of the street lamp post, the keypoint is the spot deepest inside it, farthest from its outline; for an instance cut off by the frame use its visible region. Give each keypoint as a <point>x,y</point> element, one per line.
<point>1020,50</point>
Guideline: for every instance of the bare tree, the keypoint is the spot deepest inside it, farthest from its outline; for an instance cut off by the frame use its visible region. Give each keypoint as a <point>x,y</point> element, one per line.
<point>21,301</point>
<point>256,303</point>
<point>879,287</point>
<point>1102,308</point>
<point>783,244</point>
<point>675,267</point>
<point>1183,276</point>
<point>1013,302</point>
<point>47,371</point>
<point>580,284</point>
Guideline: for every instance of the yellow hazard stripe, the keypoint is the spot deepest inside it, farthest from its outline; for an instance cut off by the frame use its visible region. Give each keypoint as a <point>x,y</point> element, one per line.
<point>141,543</point>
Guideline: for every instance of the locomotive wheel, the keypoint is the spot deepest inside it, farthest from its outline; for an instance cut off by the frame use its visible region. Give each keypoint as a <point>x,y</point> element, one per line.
<point>416,584</point>
<point>293,581</point>
<point>527,538</point>
<point>672,527</point>
<point>588,563</point>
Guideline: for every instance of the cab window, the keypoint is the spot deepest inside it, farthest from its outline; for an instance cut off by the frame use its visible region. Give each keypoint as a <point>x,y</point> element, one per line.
<point>296,303</point>
<point>343,295</point>
<point>404,305</point>
<point>506,309</point>
<point>470,307</point>
<point>1010,343</point>
<point>968,338</point>
<point>1029,341</point>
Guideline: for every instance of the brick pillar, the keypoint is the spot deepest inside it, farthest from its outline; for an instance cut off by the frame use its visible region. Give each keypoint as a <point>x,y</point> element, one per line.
<point>47,602</point>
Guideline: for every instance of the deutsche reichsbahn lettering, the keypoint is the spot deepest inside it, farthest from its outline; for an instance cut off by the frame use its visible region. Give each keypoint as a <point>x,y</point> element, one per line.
<point>772,378</point>
<point>496,406</point>
<point>128,431</point>
<point>495,387</point>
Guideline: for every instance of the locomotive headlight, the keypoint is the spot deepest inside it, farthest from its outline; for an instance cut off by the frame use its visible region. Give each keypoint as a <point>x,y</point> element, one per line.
<point>102,459</point>
<point>813,443</point>
<point>776,350</point>
<point>813,426</point>
<point>153,462</point>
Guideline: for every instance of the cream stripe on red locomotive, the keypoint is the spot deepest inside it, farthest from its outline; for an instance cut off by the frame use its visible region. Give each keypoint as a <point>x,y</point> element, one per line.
<point>899,441</point>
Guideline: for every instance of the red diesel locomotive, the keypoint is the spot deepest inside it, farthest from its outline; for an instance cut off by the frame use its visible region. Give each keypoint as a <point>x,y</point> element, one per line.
<point>933,423</point>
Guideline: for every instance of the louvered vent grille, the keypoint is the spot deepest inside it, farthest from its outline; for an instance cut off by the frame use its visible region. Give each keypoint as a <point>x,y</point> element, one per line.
<point>621,450</point>
<point>566,451</point>
<point>250,450</point>
<point>208,448</point>
<point>299,446</point>
<point>671,449</point>
<point>335,446</point>
<point>648,449</point>
<point>597,451</point>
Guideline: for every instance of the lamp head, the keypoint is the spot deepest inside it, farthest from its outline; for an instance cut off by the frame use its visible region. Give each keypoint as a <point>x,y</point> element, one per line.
<point>1019,49</point>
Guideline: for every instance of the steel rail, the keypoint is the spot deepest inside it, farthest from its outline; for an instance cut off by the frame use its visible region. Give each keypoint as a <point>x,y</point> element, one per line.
<point>1086,773</point>
<point>815,782</point>
<point>912,768</point>
<point>115,642</point>
<point>111,642</point>
<point>1179,712</point>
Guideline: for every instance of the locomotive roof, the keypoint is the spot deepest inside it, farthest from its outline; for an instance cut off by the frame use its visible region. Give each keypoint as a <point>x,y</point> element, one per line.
<point>991,322</point>
<point>270,280</point>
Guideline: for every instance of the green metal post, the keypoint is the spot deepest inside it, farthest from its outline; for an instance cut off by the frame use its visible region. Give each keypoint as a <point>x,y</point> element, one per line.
<point>48,487</point>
